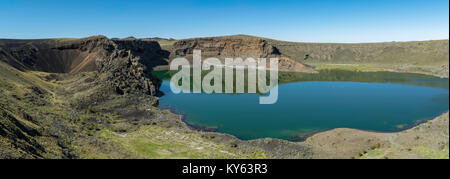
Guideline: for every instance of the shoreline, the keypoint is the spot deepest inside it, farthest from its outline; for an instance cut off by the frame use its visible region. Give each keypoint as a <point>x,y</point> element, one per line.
<point>376,69</point>
<point>298,139</point>
<point>200,128</point>
<point>353,143</point>
<point>191,126</point>
<point>339,67</point>
<point>409,127</point>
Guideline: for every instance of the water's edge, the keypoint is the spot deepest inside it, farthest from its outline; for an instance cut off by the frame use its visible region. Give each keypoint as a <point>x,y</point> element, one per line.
<point>201,128</point>
<point>304,137</point>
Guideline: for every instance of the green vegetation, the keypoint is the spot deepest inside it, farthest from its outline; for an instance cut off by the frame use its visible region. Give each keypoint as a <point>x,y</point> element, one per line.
<point>430,57</point>
<point>373,154</point>
<point>45,115</point>
<point>417,152</point>
<point>160,142</point>
<point>429,153</point>
<point>428,141</point>
<point>351,67</point>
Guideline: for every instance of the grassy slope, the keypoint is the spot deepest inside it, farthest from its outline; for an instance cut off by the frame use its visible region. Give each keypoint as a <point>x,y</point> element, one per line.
<point>429,57</point>
<point>20,99</point>
<point>428,140</point>
<point>169,143</point>
<point>45,115</point>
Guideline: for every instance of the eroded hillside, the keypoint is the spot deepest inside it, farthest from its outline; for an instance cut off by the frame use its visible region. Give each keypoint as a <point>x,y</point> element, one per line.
<point>95,98</point>
<point>428,57</point>
<point>236,48</point>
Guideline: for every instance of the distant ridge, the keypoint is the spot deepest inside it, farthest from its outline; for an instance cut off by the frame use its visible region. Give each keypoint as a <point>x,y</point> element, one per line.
<point>428,57</point>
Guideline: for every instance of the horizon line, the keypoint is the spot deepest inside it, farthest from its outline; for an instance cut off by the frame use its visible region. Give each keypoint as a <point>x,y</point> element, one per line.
<point>221,36</point>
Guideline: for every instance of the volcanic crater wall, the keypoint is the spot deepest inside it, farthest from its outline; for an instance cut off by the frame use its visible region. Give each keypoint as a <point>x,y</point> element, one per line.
<point>235,47</point>
<point>125,64</point>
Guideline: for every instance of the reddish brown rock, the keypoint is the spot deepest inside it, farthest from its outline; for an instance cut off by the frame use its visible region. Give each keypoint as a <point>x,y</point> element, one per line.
<point>233,47</point>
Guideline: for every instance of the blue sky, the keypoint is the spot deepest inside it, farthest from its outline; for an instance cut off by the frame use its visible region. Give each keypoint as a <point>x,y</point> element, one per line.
<point>291,20</point>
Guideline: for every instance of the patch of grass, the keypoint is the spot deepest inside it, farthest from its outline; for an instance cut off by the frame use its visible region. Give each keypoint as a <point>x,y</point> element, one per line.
<point>373,154</point>
<point>430,153</point>
<point>166,143</point>
<point>351,67</point>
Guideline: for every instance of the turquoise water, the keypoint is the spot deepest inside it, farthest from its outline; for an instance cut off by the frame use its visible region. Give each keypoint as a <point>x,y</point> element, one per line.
<point>308,103</point>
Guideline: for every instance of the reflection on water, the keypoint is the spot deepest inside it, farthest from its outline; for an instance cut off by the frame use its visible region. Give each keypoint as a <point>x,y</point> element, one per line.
<point>341,75</point>
<point>380,77</point>
<point>380,101</point>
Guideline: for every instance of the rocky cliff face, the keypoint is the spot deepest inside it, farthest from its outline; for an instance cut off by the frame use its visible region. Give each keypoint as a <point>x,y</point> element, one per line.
<point>57,56</point>
<point>124,71</point>
<point>236,47</point>
<point>226,47</point>
<point>123,63</point>
<point>127,67</point>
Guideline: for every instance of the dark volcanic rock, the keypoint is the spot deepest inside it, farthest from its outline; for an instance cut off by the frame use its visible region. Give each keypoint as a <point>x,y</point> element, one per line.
<point>128,67</point>
<point>126,73</point>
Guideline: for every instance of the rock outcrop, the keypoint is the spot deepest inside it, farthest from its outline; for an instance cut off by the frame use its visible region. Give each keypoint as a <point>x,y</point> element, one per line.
<point>236,48</point>
<point>124,72</point>
<point>122,63</point>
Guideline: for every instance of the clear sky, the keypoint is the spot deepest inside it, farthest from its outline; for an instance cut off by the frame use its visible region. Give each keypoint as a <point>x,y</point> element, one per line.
<point>291,20</point>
